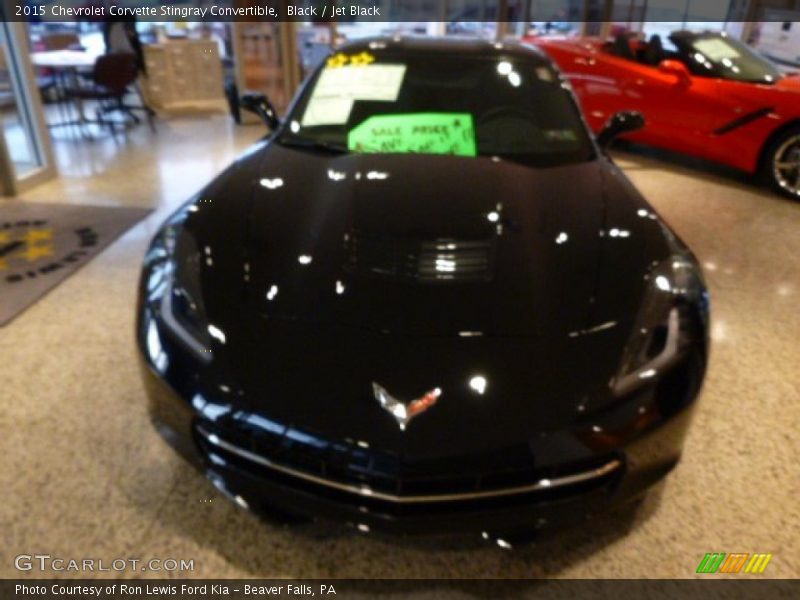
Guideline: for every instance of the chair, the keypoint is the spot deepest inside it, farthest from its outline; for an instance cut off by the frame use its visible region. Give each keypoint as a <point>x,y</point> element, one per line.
<point>654,53</point>
<point>112,75</point>
<point>621,47</point>
<point>47,81</point>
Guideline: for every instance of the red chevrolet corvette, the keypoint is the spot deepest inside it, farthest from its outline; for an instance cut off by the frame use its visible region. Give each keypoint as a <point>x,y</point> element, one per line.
<point>703,94</point>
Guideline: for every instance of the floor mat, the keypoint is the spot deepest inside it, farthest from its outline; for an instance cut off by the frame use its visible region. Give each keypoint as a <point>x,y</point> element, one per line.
<point>43,244</point>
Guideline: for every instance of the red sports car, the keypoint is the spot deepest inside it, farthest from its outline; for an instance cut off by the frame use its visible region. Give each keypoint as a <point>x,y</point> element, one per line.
<point>703,94</point>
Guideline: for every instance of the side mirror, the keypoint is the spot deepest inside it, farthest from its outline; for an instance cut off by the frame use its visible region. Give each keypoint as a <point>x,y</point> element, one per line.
<point>676,68</point>
<point>259,104</point>
<point>621,122</point>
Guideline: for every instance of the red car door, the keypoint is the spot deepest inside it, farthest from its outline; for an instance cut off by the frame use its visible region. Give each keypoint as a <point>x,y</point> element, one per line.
<point>680,110</point>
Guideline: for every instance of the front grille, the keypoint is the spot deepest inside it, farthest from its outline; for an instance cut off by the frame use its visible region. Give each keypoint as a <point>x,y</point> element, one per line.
<point>349,468</point>
<point>440,260</point>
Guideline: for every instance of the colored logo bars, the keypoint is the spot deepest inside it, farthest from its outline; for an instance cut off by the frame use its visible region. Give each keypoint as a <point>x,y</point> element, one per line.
<point>719,562</point>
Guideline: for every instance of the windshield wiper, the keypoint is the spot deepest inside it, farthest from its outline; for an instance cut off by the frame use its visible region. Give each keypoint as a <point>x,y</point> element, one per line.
<point>301,142</point>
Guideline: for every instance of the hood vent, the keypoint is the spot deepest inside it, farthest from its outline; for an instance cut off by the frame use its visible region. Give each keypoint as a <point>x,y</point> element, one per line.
<point>441,260</point>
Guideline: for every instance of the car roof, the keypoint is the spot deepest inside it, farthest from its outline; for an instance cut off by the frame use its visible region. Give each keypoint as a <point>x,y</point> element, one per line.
<point>451,45</point>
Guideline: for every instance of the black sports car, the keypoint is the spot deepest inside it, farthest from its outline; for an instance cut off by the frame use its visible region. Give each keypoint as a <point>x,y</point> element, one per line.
<point>428,302</point>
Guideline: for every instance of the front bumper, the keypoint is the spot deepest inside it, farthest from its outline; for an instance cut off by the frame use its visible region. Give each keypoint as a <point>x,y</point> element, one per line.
<point>269,487</point>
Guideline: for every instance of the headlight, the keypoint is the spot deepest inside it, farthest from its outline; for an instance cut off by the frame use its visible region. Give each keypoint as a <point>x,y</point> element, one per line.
<point>173,286</point>
<point>665,326</point>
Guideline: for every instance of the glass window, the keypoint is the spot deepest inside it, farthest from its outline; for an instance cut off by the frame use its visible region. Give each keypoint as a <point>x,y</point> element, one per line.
<point>718,55</point>
<point>514,108</point>
<point>22,143</point>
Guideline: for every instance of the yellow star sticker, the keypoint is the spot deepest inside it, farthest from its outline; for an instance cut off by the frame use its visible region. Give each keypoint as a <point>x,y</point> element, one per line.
<point>337,60</point>
<point>362,59</point>
<point>33,236</point>
<point>33,253</point>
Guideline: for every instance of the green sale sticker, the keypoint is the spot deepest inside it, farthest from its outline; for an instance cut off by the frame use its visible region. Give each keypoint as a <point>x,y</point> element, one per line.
<point>420,133</point>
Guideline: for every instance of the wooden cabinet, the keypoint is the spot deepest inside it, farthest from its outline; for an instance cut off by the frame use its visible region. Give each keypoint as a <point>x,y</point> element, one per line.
<point>184,75</point>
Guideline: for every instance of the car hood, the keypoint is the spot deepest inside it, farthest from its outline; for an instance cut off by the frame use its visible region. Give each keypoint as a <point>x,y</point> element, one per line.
<point>306,335</point>
<point>423,246</point>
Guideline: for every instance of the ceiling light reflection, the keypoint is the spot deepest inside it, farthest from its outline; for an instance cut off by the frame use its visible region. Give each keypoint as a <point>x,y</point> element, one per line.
<point>662,283</point>
<point>503,544</point>
<point>154,348</point>
<point>478,383</point>
<point>445,265</point>
<point>272,184</point>
<point>216,333</point>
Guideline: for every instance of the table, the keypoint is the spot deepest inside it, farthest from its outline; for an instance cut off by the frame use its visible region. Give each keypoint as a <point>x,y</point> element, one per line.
<point>66,63</point>
<point>63,59</point>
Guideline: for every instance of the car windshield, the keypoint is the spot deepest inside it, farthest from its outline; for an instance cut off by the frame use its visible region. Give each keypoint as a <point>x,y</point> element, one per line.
<point>360,102</point>
<point>713,55</point>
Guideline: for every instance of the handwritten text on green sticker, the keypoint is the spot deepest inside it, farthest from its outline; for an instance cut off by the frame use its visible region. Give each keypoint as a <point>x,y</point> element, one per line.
<point>424,133</point>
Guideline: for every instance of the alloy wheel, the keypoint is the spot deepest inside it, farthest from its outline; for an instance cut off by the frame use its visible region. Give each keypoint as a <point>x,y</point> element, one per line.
<point>786,165</point>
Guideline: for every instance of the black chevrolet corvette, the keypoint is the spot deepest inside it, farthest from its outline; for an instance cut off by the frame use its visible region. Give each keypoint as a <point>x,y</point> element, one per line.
<point>428,302</point>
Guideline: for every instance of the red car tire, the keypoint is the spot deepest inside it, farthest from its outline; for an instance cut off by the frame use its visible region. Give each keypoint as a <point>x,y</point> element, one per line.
<point>780,166</point>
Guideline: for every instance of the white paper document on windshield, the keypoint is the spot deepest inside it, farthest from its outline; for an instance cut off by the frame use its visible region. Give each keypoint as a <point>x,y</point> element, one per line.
<point>338,88</point>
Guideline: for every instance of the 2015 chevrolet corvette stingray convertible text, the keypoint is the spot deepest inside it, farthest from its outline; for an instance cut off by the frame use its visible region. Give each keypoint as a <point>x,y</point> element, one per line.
<point>428,302</point>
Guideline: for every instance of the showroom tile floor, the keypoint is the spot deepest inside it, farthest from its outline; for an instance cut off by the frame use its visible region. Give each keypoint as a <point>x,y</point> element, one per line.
<point>85,475</point>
